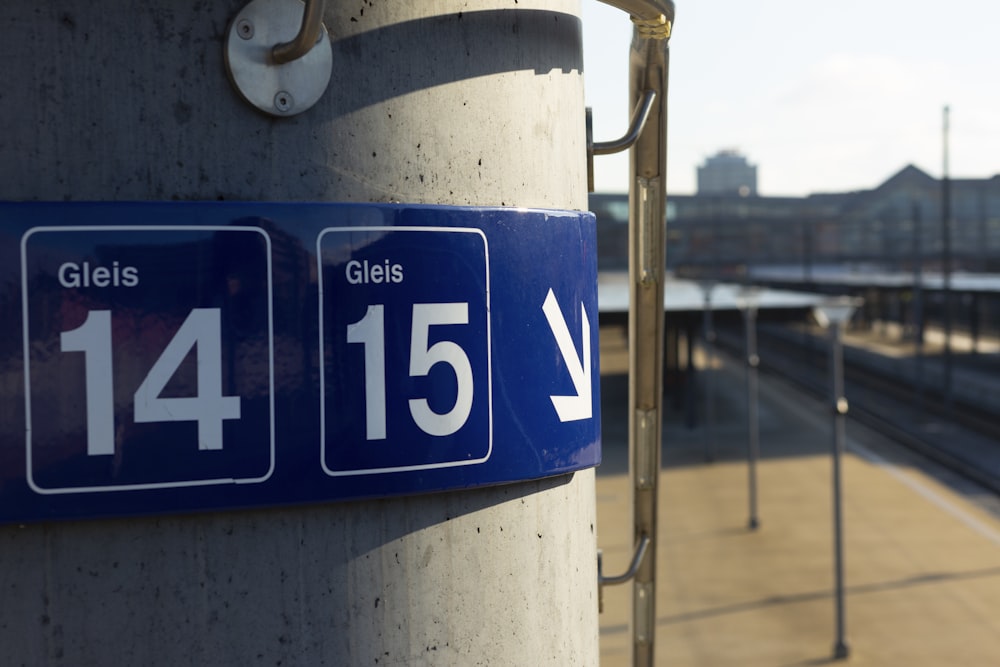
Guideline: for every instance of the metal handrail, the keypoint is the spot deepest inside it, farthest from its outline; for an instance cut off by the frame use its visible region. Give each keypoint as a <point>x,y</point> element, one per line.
<point>648,73</point>
<point>648,70</point>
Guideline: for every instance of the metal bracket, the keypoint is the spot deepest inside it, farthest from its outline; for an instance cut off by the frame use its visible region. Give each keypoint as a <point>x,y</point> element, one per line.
<point>638,121</point>
<point>602,581</point>
<point>278,55</point>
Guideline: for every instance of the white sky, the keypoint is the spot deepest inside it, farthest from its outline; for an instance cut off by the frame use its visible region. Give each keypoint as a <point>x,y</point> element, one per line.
<point>821,96</point>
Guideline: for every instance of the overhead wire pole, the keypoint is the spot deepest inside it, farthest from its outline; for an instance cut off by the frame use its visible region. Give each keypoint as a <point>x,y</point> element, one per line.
<point>946,258</point>
<point>749,308</point>
<point>833,315</point>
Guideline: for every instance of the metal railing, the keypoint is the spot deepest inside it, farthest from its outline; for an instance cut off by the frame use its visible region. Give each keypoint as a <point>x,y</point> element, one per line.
<point>648,77</point>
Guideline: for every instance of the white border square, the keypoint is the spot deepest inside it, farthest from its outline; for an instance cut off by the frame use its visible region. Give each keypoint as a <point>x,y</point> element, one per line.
<point>27,356</point>
<point>322,374</point>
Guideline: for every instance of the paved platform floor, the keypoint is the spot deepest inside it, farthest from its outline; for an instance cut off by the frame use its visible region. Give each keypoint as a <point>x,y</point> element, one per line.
<point>922,550</point>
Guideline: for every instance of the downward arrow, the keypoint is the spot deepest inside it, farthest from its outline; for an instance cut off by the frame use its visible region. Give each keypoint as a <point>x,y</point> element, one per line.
<point>571,408</point>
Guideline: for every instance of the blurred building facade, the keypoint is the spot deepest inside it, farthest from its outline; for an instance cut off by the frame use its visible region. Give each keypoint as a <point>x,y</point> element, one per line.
<point>896,226</point>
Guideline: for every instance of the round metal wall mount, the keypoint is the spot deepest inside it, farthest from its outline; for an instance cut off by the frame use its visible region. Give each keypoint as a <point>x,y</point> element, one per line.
<point>276,89</point>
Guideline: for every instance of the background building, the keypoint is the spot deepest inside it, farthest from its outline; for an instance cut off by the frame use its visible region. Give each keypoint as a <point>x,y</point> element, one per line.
<point>896,226</point>
<point>727,173</point>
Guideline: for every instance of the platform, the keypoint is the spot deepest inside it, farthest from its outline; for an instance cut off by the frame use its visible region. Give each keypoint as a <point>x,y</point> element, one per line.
<point>922,549</point>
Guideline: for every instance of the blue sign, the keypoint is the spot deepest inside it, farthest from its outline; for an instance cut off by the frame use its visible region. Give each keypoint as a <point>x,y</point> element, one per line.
<point>412,304</point>
<point>167,357</point>
<point>128,383</point>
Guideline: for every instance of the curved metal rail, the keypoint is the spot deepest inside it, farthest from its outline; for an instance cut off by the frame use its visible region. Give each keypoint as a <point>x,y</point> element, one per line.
<point>638,121</point>
<point>309,33</point>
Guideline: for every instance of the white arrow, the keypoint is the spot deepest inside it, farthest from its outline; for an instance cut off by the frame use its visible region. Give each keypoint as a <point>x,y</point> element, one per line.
<point>571,408</point>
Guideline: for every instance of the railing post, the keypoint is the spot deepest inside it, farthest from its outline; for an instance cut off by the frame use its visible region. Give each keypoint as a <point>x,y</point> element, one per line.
<point>649,61</point>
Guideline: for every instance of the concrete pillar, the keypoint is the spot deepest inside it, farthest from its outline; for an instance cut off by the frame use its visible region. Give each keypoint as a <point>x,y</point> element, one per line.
<point>437,101</point>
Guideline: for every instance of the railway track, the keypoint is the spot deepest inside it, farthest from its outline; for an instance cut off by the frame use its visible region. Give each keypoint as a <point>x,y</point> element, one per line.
<point>961,437</point>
